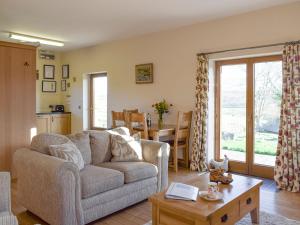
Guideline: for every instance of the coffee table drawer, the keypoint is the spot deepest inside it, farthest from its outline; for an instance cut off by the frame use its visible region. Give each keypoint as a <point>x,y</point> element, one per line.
<point>249,202</point>
<point>226,216</point>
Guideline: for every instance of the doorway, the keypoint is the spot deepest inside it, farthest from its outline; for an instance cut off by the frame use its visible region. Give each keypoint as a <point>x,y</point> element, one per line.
<point>98,101</point>
<point>247,113</point>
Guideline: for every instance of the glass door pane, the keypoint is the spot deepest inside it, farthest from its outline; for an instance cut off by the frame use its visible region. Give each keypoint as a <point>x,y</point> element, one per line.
<point>99,101</point>
<point>233,82</point>
<point>268,84</point>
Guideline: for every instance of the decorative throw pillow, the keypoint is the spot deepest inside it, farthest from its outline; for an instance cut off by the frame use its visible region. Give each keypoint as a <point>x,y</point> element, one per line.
<point>82,142</point>
<point>125,148</point>
<point>120,130</point>
<point>68,152</point>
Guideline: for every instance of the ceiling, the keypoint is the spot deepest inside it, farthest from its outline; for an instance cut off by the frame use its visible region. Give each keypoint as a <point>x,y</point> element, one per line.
<point>81,23</point>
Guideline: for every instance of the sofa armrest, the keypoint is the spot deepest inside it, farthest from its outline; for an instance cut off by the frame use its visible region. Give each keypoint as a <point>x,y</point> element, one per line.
<point>49,187</point>
<point>157,153</point>
<point>5,196</point>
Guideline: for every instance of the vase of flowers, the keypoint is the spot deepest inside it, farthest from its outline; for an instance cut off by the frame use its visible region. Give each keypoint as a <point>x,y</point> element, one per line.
<point>161,108</point>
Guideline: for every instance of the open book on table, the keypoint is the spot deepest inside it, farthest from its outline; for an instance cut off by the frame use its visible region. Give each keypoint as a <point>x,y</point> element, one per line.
<point>182,191</point>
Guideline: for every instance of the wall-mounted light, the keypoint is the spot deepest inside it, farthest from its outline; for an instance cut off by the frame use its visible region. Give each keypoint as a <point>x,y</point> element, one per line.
<point>22,37</point>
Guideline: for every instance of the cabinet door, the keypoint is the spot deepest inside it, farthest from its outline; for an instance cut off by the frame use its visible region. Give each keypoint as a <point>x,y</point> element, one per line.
<point>43,124</point>
<point>60,124</point>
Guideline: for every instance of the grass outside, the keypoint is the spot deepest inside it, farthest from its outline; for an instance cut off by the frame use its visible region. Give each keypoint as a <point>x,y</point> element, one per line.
<point>265,144</point>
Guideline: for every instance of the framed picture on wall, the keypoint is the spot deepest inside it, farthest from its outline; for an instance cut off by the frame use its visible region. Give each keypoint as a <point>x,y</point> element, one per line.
<point>65,71</point>
<point>48,86</point>
<point>37,73</point>
<point>144,73</point>
<point>49,71</point>
<point>63,85</point>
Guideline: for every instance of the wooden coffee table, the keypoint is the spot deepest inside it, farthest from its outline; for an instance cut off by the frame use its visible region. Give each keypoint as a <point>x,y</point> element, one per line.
<point>240,198</point>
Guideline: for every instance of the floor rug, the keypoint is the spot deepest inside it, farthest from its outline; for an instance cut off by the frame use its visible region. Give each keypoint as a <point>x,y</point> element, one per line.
<point>265,219</point>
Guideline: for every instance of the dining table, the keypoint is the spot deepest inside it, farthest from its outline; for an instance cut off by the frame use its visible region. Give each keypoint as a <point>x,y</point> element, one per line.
<point>157,131</point>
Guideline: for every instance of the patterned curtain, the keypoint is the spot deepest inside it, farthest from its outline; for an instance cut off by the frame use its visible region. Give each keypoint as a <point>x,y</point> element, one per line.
<point>199,140</point>
<point>287,167</point>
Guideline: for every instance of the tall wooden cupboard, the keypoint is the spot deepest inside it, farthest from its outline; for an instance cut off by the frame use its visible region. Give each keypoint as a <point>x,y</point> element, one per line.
<point>17,99</point>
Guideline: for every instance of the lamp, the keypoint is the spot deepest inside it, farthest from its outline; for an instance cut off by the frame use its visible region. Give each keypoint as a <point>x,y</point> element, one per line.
<point>22,37</point>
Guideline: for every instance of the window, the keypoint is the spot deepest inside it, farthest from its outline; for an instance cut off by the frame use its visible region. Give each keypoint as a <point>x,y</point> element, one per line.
<point>248,97</point>
<point>98,101</point>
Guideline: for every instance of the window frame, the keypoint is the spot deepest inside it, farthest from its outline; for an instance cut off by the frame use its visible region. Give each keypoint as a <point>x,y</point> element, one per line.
<point>91,100</point>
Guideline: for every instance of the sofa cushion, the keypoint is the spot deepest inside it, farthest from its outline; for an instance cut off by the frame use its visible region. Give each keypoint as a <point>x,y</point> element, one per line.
<point>120,130</point>
<point>41,142</point>
<point>68,152</point>
<point>125,148</point>
<point>100,146</point>
<point>95,180</point>
<point>82,142</point>
<point>133,171</point>
<point>7,218</point>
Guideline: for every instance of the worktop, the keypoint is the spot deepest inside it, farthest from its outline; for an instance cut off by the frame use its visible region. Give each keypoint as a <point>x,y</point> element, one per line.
<point>50,113</point>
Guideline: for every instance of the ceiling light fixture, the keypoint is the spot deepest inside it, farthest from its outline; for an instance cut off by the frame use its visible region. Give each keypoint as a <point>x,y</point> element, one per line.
<point>22,37</point>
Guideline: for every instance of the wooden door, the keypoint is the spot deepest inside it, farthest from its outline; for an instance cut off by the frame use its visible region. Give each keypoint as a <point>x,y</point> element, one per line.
<point>4,67</point>
<point>60,124</point>
<point>43,123</point>
<point>247,111</point>
<point>17,88</point>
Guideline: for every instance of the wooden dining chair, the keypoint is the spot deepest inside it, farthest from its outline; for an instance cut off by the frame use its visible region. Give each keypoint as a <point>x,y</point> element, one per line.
<point>138,123</point>
<point>181,139</point>
<point>126,115</point>
<point>117,118</point>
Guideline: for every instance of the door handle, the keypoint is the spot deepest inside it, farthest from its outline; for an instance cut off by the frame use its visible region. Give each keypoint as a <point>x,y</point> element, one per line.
<point>249,201</point>
<point>224,218</point>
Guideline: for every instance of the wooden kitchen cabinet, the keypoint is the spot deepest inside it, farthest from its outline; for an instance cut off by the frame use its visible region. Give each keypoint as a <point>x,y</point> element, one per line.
<point>58,123</point>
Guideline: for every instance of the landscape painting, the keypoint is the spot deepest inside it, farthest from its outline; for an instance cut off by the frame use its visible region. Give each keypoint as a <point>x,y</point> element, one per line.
<point>144,73</point>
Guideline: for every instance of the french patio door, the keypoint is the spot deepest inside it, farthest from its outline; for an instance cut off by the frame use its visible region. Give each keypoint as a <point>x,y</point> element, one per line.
<point>247,112</point>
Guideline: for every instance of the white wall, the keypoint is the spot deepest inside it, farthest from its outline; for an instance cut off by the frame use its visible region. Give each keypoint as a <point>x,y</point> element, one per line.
<point>44,99</point>
<point>173,54</point>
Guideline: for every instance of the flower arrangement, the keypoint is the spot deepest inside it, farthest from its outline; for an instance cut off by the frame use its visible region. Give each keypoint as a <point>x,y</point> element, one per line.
<point>161,108</point>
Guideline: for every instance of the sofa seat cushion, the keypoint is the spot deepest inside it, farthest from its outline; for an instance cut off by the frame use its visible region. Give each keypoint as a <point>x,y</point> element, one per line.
<point>133,171</point>
<point>95,180</point>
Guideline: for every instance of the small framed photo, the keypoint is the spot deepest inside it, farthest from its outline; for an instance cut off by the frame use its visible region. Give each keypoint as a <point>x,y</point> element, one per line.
<point>63,85</point>
<point>65,71</point>
<point>48,86</point>
<point>49,71</point>
<point>144,73</point>
<point>37,73</point>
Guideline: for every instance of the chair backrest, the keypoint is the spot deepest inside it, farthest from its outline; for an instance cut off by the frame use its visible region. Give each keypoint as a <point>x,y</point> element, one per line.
<point>141,120</point>
<point>127,113</point>
<point>183,127</point>
<point>130,110</point>
<point>117,117</point>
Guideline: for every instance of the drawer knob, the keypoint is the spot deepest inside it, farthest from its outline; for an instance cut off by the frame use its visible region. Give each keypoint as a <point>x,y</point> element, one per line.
<point>224,218</point>
<point>249,201</point>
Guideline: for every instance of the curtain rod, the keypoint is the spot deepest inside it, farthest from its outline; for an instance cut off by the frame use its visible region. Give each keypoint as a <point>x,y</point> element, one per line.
<point>252,47</point>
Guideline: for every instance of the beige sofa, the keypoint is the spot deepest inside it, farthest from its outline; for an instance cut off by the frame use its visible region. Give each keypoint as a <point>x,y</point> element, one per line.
<point>6,216</point>
<point>60,194</point>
